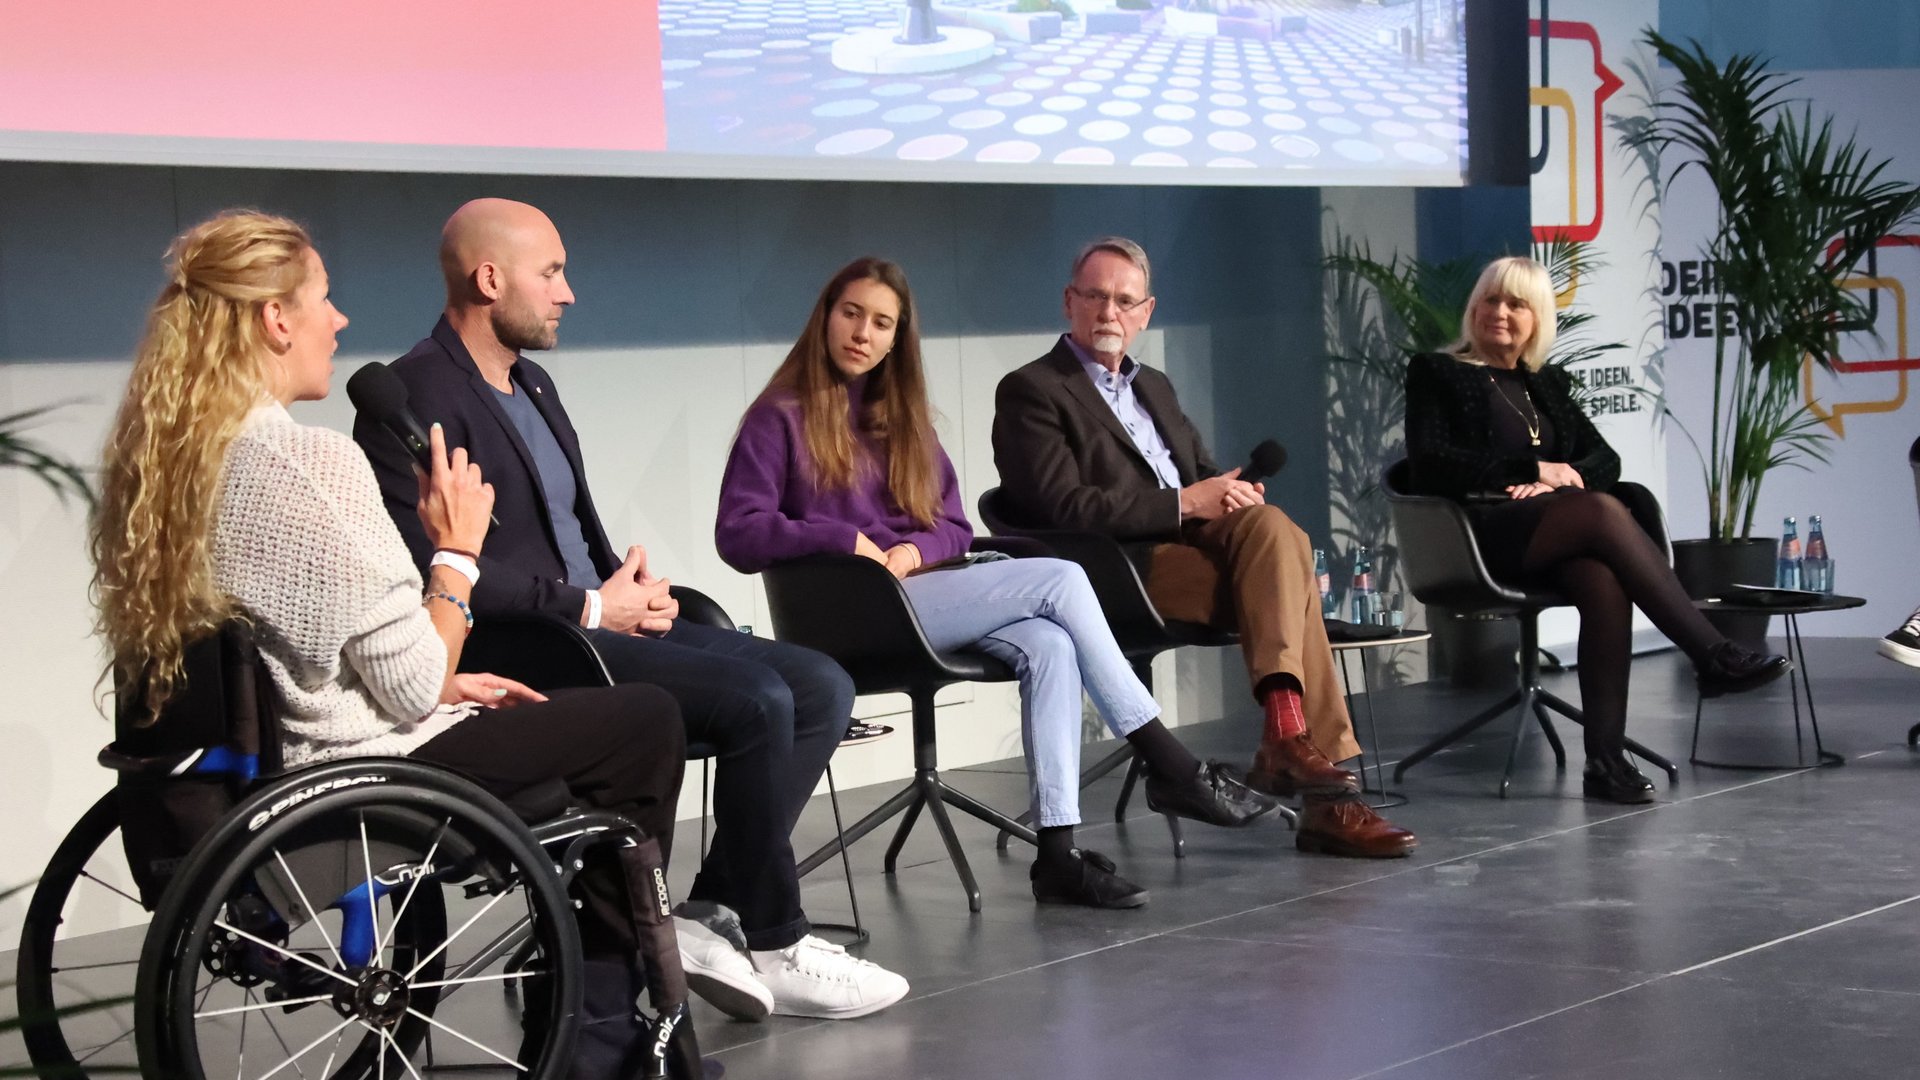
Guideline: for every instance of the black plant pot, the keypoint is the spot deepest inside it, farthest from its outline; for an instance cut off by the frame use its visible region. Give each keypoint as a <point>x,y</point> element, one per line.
<point>1707,567</point>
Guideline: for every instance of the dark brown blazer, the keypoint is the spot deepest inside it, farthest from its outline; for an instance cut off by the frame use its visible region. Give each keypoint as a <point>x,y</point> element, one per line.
<point>1066,462</point>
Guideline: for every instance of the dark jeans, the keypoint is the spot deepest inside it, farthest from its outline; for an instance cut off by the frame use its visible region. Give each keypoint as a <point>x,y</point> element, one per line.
<point>618,748</point>
<point>774,714</point>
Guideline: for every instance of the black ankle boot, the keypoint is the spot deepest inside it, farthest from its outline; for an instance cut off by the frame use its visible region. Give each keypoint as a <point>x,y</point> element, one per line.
<point>1610,778</point>
<point>1733,669</point>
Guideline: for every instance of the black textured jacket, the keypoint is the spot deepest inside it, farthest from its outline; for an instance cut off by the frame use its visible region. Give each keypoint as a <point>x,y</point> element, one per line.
<point>1449,431</point>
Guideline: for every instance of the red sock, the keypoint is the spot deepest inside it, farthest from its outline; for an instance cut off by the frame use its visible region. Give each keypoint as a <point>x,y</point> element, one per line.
<point>1285,720</point>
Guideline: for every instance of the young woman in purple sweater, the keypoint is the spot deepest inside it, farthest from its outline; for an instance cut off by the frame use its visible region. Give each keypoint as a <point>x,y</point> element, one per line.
<point>839,455</point>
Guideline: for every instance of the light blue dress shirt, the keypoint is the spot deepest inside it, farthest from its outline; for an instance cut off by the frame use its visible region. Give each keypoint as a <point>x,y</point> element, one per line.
<point>1116,389</point>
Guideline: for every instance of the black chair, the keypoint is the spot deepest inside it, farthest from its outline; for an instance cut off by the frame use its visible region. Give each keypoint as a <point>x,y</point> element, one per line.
<point>1138,628</point>
<point>550,653</point>
<point>1913,462</point>
<point>1444,568</point>
<point>854,610</point>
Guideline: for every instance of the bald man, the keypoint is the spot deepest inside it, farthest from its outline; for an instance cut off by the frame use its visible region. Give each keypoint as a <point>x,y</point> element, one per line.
<point>773,712</point>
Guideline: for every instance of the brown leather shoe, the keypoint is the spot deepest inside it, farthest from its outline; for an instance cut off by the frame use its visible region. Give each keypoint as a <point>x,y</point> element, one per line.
<point>1295,766</point>
<point>1344,825</point>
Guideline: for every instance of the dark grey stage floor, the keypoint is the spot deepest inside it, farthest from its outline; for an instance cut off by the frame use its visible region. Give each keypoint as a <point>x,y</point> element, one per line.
<point>1749,925</point>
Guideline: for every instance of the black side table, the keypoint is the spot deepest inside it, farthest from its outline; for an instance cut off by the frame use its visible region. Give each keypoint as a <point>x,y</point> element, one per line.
<point>1364,646</point>
<point>1799,680</point>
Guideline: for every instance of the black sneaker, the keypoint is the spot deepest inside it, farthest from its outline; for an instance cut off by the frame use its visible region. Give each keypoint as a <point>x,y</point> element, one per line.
<point>1732,669</point>
<point>1088,880</point>
<point>1213,793</point>
<point>1903,645</point>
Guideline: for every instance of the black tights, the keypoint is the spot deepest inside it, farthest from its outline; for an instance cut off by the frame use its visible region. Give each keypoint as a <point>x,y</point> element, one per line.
<point>1589,547</point>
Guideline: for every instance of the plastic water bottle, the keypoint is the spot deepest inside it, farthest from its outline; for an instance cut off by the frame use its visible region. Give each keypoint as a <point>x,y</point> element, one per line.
<point>1329,604</point>
<point>1816,569</point>
<point>1362,592</point>
<point>1786,574</point>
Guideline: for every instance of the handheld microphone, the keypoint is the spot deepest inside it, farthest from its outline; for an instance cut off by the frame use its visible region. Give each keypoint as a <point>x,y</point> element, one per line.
<point>1267,459</point>
<point>378,394</point>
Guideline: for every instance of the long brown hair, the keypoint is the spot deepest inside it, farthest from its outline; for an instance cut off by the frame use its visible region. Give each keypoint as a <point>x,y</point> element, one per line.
<point>895,411</point>
<point>201,367</point>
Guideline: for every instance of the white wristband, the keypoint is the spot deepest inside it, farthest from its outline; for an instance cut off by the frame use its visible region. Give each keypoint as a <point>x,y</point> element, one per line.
<point>460,564</point>
<point>593,609</point>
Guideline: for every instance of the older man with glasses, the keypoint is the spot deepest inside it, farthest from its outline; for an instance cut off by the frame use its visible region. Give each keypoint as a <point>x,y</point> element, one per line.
<point>1087,438</point>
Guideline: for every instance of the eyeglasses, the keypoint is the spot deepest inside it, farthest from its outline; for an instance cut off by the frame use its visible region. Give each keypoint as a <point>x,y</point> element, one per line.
<point>1127,304</point>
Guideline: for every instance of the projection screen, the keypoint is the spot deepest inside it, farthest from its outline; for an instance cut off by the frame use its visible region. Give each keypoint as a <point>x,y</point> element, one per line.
<point>1306,92</point>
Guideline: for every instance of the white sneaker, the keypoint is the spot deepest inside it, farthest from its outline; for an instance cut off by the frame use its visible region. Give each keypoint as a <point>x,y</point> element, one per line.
<point>719,971</point>
<point>814,978</point>
<point>1903,645</point>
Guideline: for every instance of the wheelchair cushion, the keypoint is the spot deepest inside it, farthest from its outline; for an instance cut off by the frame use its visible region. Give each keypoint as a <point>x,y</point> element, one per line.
<point>543,801</point>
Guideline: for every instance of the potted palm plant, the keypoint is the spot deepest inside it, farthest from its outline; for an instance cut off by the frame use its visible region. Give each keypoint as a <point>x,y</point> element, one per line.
<point>1796,206</point>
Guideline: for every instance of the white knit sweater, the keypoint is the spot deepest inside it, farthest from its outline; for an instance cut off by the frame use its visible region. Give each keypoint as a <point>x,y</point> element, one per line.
<point>303,543</point>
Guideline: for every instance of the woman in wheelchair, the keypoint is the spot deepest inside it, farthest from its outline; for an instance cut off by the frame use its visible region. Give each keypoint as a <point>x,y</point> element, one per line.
<point>1491,424</point>
<point>218,505</point>
<point>839,455</point>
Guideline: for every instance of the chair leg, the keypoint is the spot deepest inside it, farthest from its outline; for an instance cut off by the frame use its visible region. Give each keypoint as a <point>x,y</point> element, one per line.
<point>1476,722</point>
<point>1134,772</point>
<point>1558,704</point>
<point>1553,737</point>
<point>907,821</point>
<point>1526,705</point>
<point>1088,775</point>
<point>895,804</point>
<point>936,804</point>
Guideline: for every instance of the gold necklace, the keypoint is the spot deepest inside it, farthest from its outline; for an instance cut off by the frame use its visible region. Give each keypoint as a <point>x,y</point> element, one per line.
<point>1531,417</point>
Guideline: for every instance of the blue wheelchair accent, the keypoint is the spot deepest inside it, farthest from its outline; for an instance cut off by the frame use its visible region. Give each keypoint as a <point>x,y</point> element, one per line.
<point>356,922</point>
<point>223,760</point>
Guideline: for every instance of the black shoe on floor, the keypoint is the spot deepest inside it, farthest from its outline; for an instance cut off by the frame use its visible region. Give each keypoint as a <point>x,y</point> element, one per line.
<point>1088,880</point>
<point>1734,669</point>
<point>1611,779</point>
<point>1213,793</point>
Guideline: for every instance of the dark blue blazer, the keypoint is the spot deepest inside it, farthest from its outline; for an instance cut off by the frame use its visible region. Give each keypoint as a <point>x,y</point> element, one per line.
<point>520,566</point>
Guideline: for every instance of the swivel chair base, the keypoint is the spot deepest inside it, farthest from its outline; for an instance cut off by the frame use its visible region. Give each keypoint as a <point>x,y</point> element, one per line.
<point>1529,697</point>
<point>929,792</point>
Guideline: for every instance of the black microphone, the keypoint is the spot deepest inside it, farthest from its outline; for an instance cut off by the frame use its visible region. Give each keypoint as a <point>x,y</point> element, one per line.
<point>1267,458</point>
<point>379,395</point>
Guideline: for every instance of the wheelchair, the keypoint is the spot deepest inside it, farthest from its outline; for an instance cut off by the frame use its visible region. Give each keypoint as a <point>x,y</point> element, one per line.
<point>367,917</point>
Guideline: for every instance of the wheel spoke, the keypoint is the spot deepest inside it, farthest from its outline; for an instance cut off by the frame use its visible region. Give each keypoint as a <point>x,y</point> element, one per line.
<point>111,887</point>
<point>426,867</point>
<point>329,972</point>
<point>373,908</point>
<point>388,1039</point>
<point>289,1003</point>
<point>115,1041</point>
<point>438,1026</point>
<point>312,915</point>
<point>442,947</point>
<point>284,1048</point>
<point>462,981</point>
<point>324,1036</point>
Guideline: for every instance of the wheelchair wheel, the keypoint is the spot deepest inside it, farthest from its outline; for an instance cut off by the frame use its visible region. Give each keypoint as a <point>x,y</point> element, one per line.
<point>309,935</point>
<point>75,991</point>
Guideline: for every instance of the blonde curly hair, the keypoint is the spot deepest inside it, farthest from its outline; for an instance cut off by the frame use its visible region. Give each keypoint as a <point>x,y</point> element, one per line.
<point>200,368</point>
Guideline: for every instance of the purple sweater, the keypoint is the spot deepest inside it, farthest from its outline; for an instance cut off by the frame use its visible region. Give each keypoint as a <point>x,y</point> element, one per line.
<point>771,511</point>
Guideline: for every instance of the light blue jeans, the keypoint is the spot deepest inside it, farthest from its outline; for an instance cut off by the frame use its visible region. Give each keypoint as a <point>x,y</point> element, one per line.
<point>1039,617</point>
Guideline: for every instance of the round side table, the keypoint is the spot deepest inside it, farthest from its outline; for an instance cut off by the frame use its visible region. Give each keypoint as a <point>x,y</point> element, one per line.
<point>1799,679</point>
<point>1364,647</point>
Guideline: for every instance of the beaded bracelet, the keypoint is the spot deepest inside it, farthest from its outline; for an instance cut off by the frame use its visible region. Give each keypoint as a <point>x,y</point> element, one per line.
<point>465,611</point>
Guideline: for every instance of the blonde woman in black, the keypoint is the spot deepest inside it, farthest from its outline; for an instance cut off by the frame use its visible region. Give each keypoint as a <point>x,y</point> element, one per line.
<point>1490,424</point>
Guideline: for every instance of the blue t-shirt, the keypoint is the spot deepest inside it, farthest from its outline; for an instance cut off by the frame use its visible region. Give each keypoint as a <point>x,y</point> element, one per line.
<point>556,479</point>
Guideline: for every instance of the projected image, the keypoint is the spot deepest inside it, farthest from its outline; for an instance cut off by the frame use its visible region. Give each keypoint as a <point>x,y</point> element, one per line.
<point>1311,91</point>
